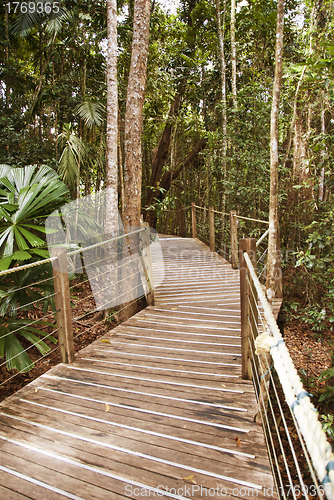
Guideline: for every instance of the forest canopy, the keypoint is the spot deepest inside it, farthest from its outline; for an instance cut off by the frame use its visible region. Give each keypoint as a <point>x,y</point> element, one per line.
<point>206,113</point>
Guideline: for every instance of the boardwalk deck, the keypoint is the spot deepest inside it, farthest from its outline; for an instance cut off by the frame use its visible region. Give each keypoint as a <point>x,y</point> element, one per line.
<point>156,409</point>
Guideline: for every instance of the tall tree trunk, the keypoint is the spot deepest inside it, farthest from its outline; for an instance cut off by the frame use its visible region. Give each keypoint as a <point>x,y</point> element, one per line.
<point>120,164</point>
<point>221,35</point>
<point>273,245</point>
<point>134,113</point>
<point>233,56</point>
<point>323,154</point>
<point>112,125</point>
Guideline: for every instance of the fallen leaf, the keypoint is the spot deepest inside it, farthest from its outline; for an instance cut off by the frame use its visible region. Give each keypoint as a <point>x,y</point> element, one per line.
<point>223,385</point>
<point>173,309</point>
<point>189,479</point>
<point>238,441</point>
<point>105,340</point>
<point>36,389</point>
<point>107,407</point>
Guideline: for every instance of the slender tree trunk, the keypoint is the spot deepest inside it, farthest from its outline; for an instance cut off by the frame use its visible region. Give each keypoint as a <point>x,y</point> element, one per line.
<point>323,154</point>
<point>221,35</point>
<point>112,125</point>
<point>134,113</point>
<point>273,252</point>
<point>120,163</point>
<point>293,121</point>
<point>233,56</point>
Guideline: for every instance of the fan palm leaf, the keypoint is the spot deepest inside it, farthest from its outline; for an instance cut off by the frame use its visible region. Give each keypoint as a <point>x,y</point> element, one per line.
<point>28,195</point>
<point>72,155</point>
<point>92,113</point>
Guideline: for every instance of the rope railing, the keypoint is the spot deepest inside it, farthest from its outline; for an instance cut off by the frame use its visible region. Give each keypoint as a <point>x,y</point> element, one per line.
<point>219,233</point>
<point>269,355</point>
<point>251,219</point>
<point>259,241</point>
<point>124,272</point>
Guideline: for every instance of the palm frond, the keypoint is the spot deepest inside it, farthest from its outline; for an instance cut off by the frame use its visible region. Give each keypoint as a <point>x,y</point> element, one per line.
<point>92,113</point>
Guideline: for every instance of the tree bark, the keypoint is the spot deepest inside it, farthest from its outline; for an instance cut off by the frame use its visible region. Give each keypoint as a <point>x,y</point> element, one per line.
<point>112,123</point>
<point>321,195</point>
<point>273,253</point>
<point>134,114</point>
<point>233,56</point>
<point>221,36</point>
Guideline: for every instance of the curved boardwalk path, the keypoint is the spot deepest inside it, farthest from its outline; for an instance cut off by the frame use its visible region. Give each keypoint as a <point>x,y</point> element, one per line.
<point>155,409</point>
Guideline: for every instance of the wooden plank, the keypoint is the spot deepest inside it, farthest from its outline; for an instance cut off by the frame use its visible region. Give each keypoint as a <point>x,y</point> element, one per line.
<point>198,431</point>
<point>61,475</point>
<point>175,363</point>
<point>15,488</point>
<point>207,436</point>
<point>152,459</point>
<point>128,437</point>
<point>162,373</point>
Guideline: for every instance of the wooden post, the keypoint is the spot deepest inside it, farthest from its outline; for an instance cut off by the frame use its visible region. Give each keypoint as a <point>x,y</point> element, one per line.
<point>212,229</point>
<point>246,245</point>
<point>63,306</point>
<point>234,239</point>
<point>193,220</point>
<point>146,260</point>
<point>181,218</point>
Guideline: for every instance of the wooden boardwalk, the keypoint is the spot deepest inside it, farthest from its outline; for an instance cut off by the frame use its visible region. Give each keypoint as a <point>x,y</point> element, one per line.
<point>155,409</point>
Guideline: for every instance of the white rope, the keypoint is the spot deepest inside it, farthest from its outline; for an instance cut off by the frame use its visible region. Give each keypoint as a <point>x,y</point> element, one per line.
<point>250,218</point>
<point>296,396</point>
<point>259,241</point>
<point>83,249</point>
<point>51,259</point>
<point>27,266</point>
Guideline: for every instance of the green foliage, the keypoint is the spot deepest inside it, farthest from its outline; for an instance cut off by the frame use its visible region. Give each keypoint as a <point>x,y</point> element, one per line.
<point>21,290</point>
<point>74,151</point>
<point>18,294</point>
<point>26,196</point>
<point>328,424</point>
<point>16,356</point>
<point>327,395</point>
<point>91,112</point>
<point>313,280</point>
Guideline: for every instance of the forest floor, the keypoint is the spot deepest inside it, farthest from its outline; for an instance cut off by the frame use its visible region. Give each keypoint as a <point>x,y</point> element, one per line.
<point>310,355</point>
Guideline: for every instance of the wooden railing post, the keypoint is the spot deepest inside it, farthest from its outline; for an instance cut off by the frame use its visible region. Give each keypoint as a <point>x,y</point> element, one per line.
<point>248,301</point>
<point>63,306</point>
<point>193,220</point>
<point>146,259</point>
<point>234,239</point>
<point>212,229</point>
<point>181,218</point>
